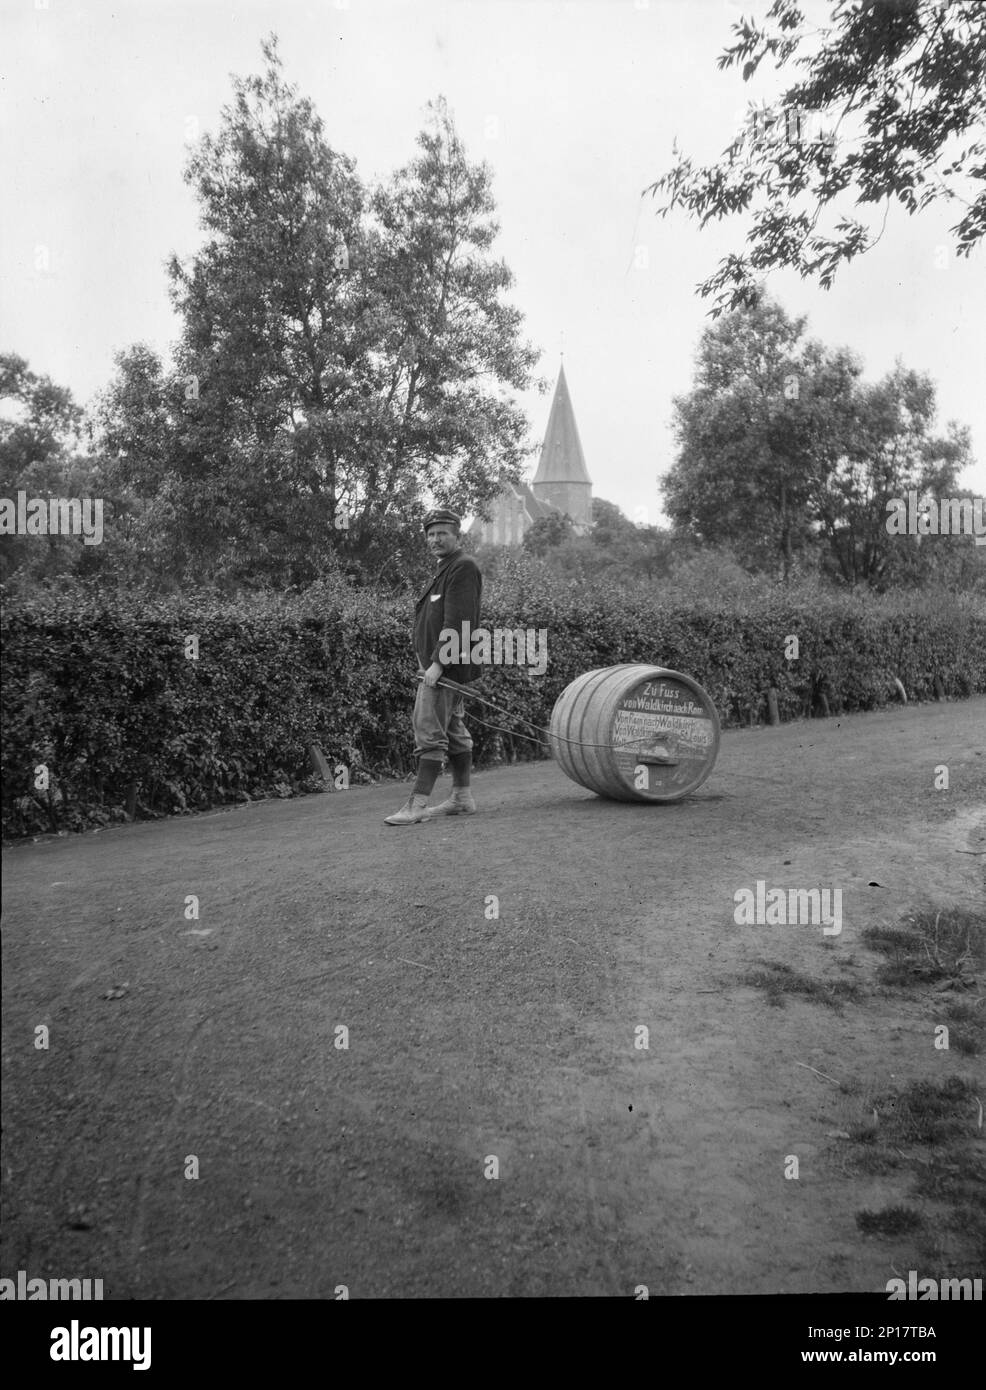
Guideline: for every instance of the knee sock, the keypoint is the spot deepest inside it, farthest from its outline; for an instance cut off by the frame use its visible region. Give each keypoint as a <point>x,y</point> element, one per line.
<point>460,764</point>
<point>428,770</point>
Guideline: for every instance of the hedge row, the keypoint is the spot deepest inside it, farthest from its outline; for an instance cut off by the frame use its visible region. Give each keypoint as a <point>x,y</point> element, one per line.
<point>102,694</point>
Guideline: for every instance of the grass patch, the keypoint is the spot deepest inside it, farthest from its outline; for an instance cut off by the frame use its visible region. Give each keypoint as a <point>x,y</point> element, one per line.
<point>892,1221</point>
<point>959,1178</point>
<point>927,1112</point>
<point>959,1040</point>
<point>929,947</point>
<point>970,1221</point>
<point>874,1162</point>
<point>864,1133</point>
<point>929,1133</point>
<point>779,980</point>
<point>942,1119</point>
<point>966,1026</point>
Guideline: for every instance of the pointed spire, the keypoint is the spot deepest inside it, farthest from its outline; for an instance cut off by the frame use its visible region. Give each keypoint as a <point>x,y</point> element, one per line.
<point>562,459</point>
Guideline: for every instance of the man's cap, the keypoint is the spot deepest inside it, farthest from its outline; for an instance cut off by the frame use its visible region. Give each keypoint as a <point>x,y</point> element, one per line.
<point>444,516</point>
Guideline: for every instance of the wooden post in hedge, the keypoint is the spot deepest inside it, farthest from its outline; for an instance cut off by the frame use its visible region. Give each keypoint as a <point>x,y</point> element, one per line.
<point>773,713</point>
<point>131,806</point>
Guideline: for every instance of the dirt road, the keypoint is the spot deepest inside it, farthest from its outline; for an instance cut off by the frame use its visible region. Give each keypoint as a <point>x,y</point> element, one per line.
<point>474,1037</point>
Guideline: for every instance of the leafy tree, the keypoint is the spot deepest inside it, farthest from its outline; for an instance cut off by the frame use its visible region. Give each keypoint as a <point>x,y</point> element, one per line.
<point>788,457</point>
<point>277,331</point>
<point>890,106</point>
<point>615,551</point>
<point>118,455</point>
<point>39,429</point>
<point>452,342</point>
<point>609,524</point>
<point>890,449</point>
<point>136,419</point>
<point>762,427</point>
<point>548,532</point>
<point>38,419</point>
<point>139,430</point>
<point>343,353</point>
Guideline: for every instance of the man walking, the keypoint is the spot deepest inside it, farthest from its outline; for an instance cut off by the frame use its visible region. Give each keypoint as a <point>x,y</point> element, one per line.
<point>450,601</point>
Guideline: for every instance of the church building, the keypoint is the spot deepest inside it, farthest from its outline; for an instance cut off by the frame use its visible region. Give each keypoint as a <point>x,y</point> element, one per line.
<point>561,483</point>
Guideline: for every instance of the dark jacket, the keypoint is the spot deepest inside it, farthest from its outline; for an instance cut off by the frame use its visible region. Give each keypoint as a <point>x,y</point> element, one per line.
<point>451,599</point>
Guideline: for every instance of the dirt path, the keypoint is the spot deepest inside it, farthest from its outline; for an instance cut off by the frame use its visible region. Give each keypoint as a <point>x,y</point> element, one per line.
<point>472,1037</point>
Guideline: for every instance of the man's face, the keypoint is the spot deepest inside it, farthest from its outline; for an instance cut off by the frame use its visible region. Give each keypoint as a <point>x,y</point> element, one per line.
<point>442,539</point>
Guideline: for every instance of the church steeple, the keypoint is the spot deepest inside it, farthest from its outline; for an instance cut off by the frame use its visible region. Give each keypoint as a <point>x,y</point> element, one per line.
<point>561,484</point>
<point>562,459</point>
<point>562,477</point>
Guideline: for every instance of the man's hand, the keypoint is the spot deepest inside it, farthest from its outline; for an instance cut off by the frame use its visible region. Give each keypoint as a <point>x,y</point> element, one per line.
<point>434,673</point>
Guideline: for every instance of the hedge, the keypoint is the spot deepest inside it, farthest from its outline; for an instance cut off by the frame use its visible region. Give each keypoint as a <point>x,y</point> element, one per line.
<point>100,691</point>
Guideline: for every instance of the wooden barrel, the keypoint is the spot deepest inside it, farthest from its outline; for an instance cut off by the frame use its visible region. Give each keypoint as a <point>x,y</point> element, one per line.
<point>635,733</point>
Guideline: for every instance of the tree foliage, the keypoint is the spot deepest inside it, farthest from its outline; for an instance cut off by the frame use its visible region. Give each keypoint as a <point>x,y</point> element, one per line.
<point>763,424</point>
<point>609,524</point>
<point>891,447</point>
<point>889,106</point>
<point>38,420</point>
<point>547,532</point>
<point>40,439</point>
<point>616,550</point>
<point>785,454</point>
<point>346,356</point>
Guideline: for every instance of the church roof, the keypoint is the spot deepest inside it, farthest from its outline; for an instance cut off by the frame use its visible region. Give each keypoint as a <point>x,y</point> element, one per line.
<point>535,506</point>
<point>562,459</point>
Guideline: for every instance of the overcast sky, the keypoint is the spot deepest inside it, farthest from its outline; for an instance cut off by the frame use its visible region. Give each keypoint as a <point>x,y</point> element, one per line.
<point>574,103</point>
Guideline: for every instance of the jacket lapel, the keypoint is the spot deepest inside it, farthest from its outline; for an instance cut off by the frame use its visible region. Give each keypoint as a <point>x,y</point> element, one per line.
<point>437,578</point>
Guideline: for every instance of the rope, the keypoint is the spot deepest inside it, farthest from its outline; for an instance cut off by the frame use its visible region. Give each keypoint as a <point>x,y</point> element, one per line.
<point>516,733</point>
